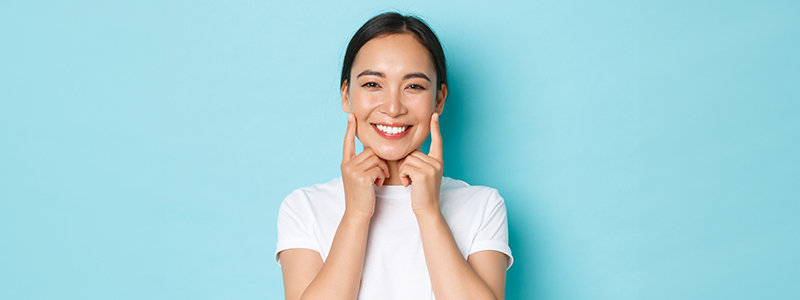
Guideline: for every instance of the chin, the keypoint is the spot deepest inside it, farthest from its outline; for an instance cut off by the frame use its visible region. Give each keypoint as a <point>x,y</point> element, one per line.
<point>391,154</point>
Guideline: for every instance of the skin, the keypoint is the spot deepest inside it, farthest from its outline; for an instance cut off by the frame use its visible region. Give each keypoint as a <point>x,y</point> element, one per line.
<point>393,81</point>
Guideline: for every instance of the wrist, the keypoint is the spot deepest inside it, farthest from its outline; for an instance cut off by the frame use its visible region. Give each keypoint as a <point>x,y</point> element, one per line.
<point>430,212</point>
<point>356,216</point>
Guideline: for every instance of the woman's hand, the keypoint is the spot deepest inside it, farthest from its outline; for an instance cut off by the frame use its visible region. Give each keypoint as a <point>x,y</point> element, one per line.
<point>359,173</point>
<point>425,172</point>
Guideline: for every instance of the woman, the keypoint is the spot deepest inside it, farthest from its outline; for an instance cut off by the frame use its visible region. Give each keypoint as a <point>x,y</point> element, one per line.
<point>383,230</point>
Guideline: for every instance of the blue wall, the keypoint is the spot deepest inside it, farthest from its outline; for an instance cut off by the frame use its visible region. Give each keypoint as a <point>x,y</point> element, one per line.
<point>645,150</point>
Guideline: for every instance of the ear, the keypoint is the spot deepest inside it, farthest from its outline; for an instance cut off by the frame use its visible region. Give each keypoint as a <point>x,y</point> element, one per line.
<point>345,97</point>
<point>440,97</point>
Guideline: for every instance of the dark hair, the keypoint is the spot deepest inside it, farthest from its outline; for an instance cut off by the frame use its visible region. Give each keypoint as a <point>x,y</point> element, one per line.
<point>391,23</point>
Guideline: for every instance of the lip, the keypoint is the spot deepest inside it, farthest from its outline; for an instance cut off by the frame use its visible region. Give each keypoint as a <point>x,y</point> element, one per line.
<point>390,136</point>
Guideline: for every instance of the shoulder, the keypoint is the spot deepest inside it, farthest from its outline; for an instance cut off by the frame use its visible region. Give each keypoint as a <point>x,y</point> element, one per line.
<point>459,193</point>
<point>321,189</point>
<point>322,194</point>
<point>463,189</point>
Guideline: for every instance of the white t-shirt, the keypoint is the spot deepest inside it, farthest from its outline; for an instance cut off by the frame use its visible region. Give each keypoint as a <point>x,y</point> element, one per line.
<point>394,264</point>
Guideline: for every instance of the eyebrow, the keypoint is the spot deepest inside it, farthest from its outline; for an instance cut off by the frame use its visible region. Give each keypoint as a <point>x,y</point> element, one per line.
<point>416,75</point>
<point>373,73</point>
<point>381,75</point>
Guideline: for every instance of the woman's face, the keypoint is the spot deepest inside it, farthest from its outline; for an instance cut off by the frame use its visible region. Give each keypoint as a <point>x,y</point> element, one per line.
<point>393,95</point>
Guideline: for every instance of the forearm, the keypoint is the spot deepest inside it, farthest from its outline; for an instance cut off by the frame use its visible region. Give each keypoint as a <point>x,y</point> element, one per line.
<point>451,275</point>
<point>340,275</point>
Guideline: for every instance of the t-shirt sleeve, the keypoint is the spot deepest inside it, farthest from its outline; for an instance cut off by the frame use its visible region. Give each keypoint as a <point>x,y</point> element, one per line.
<point>295,225</point>
<point>493,231</point>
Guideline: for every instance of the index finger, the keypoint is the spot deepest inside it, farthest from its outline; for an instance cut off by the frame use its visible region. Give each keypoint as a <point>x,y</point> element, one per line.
<point>436,138</point>
<point>350,139</point>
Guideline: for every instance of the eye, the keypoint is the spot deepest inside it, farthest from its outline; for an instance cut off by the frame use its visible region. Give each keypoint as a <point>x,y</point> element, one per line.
<point>416,87</point>
<point>370,85</point>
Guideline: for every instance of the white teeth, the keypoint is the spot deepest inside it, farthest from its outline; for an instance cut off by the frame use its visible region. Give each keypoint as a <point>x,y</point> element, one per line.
<point>391,130</point>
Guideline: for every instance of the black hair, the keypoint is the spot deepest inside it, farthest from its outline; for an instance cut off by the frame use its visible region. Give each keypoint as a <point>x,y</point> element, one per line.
<point>393,23</point>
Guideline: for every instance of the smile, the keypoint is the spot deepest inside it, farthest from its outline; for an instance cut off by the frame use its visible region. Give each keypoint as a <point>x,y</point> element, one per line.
<point>391,132</point>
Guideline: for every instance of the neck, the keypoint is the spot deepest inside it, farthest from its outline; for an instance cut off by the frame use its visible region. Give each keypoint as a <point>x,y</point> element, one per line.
<point>394,177</point>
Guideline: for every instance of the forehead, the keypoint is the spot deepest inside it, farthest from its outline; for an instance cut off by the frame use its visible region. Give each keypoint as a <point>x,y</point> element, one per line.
<point>394,54</point>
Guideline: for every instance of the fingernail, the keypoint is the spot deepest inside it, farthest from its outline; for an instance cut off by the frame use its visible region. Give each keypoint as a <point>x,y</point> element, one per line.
<point>436,117</point>
<point>349,117</point>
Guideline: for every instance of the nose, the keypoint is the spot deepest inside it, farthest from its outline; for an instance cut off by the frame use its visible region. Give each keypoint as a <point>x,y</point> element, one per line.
<point>393,105</point>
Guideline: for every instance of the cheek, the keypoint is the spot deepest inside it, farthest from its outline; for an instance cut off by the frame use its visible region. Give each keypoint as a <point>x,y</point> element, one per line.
<point>423,131</point>
<point>362,128</point>
<point>423,110</point>
<point>360,107</point>
<point>422,104</point>
<point>362,104</point>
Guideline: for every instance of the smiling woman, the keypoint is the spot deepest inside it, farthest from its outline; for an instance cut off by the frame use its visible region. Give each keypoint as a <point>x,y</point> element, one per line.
<point>392,227</point>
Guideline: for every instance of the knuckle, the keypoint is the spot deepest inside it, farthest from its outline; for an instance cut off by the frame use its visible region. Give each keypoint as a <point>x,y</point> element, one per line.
<point>362,180</point>
<point>346,167</point>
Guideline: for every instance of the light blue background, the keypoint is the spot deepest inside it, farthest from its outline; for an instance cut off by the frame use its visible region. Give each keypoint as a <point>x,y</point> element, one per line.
<point>645,150</point>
